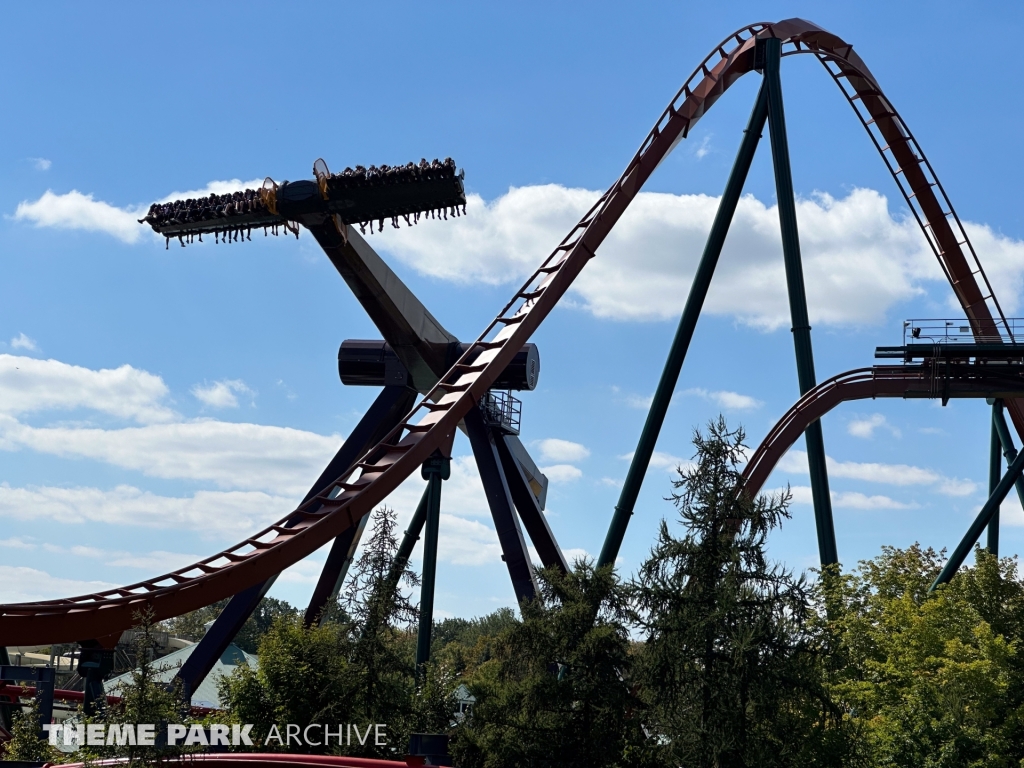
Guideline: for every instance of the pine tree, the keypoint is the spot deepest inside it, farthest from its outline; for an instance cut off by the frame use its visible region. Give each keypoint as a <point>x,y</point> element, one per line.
<point>729,666</point>
<point>558,691</point>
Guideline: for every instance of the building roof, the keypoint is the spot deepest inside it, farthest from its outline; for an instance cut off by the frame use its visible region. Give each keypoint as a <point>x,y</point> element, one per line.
<point>206,694</point>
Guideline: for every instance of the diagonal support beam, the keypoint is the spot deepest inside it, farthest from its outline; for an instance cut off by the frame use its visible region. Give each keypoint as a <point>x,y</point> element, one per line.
<point>984,518</point>
<point>385,412</point>
<point>499,499</point>
<point>1001,438</point>
<point>772,53</point>
<point>512,455</point>
<point>995,471</point>
<point>684,333</point>
<point>425,348</point>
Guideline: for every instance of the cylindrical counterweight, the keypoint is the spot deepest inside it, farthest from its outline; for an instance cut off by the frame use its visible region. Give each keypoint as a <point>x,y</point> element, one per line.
<point>372,363</point>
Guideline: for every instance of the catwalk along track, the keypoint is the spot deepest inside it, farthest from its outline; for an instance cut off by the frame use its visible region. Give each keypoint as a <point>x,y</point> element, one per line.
<point>431,424</point>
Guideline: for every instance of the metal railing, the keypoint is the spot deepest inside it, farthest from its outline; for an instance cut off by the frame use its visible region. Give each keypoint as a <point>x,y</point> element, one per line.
<point>500,409</point>
<point>958,331</point>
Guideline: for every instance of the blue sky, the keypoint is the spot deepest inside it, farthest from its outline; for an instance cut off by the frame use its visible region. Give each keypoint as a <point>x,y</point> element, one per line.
<point>159,404</point>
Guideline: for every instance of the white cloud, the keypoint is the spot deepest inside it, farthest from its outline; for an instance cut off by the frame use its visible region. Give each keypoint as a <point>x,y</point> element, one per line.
<point>157,561</point>
<point>21,341</point>
<point>553,449</point>
<point>858,260</point>
<point>74,210</point>
<point>660,460</point>
<point>280,460</point>
<point>801,494</point>
<point>866,427</point>
<point>562,473</point>
<point>954,486</point>
<point>467,542</point>
<point>731,401</point>
<point>572,555</point>
<point>704,148</point>
<point>214,188</point>
<point>854,500</point>
<point>29,385</point>
<point>16,543</point>
<point>221,394</point>
<point>639,401</point>
<point>795,461</point>
<point>22,585</point>
<point>41,163</point>
<point>231,514</point>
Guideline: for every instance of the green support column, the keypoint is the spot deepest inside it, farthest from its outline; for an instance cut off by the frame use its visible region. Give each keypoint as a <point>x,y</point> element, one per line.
<point>412,535</point>
<point>995,470</point>
<point>684,333</point>
<point>984,517</point>
<point>435,469</point>
<point>827,551</point>
<point>1009,453</point>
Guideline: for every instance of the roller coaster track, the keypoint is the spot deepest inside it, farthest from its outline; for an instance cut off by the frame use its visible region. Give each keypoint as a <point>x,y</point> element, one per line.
<point>911,381</point>
<point>430,426</point>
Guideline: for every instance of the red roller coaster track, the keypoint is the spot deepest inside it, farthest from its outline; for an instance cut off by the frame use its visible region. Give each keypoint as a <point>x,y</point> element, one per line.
<point>431,424</point>
<point>860,384</point>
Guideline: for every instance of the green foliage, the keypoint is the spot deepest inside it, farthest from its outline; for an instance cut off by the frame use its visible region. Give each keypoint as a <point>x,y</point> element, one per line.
<point>26,743</point>
<point>730,666</point>
<point>192,626</point>
<point>356,667</point>
<point>144,699</point>
<point>303,677</point>
<point>934,680</point>
<point>557,691</point>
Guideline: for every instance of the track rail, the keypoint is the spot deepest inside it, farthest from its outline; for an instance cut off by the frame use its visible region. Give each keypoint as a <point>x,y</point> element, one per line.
<point>431,424</point>
<point>907,381</point>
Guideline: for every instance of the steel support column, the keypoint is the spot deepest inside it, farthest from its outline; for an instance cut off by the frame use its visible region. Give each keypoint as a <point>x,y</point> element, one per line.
<point>44,678</point>
<point>827,551</point>
<point>499,499</point>
<point>6,710</point>
<point>385,412</point>
<point>94,664</point>
<point>990,508</point>
<point>684,333</point>
<point>339,559</point>
<point>435,470</point>
<point>1006,440</point>
<point>412,535</point>
<point>530,509</point>
<point>995,470</point>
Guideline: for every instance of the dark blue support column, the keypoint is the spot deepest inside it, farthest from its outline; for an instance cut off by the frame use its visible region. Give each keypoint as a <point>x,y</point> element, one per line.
<point>94,663</point>
<point>6,710</point>
<point>343,551</point>
<point>385,412</point>
<point>499,499</point>
<point>995,470</point>
<point>435,469</point>
<point>990,508</point>
<point>827,551</point>
<point>44,678</point>
<point>684,333</point>
<point>45,683</point>
<point>530,510</point>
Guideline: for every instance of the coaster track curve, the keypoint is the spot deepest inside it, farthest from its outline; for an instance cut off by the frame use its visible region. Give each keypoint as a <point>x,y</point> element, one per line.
<point>431,425</point>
